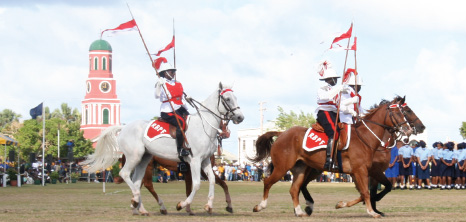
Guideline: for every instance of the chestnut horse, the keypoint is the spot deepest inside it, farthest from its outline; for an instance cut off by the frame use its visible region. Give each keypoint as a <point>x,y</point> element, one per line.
<point>172,166</point>
<point>287,150</point>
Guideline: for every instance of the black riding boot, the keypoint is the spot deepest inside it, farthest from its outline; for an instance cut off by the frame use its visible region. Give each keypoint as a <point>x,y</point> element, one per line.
<point>328,160</point>
<point>179,145</point>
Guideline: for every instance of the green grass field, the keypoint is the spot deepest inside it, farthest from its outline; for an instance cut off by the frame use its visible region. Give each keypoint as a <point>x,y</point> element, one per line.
<point>87,202</point>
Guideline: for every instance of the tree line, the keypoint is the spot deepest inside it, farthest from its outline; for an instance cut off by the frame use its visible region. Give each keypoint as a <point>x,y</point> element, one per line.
<point>29,133</point>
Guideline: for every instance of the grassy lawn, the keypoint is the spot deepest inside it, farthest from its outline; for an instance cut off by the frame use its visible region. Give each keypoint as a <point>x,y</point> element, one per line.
<point>87,202</point>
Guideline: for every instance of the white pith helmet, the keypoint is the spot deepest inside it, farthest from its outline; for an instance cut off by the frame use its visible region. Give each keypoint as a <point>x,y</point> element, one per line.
<point>352,80</point>
<point>165,66</point>
<point>326,71</point>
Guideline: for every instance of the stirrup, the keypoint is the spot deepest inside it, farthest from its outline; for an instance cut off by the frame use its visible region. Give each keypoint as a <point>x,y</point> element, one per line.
<point>184,152</point>
<point>182,167</point>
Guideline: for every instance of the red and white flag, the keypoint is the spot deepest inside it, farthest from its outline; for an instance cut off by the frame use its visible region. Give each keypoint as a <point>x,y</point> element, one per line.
<point>353,47</point>
<point>345,35</point>
<point>127,26</point>
<point>168,47</point>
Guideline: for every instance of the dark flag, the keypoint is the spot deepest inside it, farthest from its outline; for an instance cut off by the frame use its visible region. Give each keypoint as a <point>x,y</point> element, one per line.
<point>36,111</point>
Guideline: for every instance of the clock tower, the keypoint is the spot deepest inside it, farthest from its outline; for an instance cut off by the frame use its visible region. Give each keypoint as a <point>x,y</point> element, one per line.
<point>101,106</point>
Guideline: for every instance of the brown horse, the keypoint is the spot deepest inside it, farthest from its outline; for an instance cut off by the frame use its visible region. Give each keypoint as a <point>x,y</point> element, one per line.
<point>172,166</point>
<point>287,150</point>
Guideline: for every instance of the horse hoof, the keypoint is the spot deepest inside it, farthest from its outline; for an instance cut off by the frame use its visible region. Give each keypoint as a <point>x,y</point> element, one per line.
<point>376,215</point>
<point>340,204</point>
<point>178,206</point>
<point>164,212</point>
<point>229,209</point>
<point>308,210</point>
<point>255,209</point>
<point>208,209</point>
<point>144,214</point>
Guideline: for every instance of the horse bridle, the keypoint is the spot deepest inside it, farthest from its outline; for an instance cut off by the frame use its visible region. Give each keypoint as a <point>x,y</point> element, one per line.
<point>226,105</point>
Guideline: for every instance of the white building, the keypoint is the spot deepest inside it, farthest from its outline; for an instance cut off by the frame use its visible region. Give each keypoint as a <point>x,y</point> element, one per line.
<point>247,141</point>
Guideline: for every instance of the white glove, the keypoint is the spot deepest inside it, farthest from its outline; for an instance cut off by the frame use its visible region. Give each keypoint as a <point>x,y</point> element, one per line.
<point>160,81</point>
<point>348,110</point>
<point>350,101</point>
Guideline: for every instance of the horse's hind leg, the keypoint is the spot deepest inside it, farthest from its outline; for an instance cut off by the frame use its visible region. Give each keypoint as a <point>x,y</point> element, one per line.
<point>125,172</point>
<point>138,175</point>
<point>147,181</point>
<point>207,168</point>
<point>298,178</point>
<point>224,186</point>
<point>311,174</point>
<point>276,175</point>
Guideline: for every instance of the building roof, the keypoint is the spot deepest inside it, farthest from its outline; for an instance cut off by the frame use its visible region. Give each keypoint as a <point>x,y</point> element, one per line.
<point>100,45</point>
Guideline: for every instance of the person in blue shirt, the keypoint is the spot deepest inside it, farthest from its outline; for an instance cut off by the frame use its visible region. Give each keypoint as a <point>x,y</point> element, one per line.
<point>462,165</point>
<point>406,169</point>
<point>459,159</point>
<point>435,170</point>
<point>423,157</point>
<point>393,170</point>
<point>414,145</point>
<point>446,168</point>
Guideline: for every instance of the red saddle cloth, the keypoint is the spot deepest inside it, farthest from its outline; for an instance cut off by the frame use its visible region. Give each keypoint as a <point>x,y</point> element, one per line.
<point>314,140</point>
<point>157,129</point>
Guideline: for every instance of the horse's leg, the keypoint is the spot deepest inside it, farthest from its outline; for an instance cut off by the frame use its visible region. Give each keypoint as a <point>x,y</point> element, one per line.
<point>188,181</point>
<point>342,204</point>
<point>311,174</point>
<point>222,184</point>
<point>362,182</point>
<point>276,175</point>
<point>298,178</point>
<point>381,178</point>
<point>207,168</point>
<point>147,181</point>
<point>125,172</point>
<point>138,174</point>
<point>195,165</point>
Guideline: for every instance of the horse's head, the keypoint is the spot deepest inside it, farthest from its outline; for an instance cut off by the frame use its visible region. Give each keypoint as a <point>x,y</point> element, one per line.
<point>229,107</point>
<point>413,120</point>
<point>398,120</point>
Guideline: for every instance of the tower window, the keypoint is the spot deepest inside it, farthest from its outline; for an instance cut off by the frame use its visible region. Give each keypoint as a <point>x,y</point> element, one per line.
<point>105,116</point>
<point>96,63</point>
<point>110,63</point>
<point>104,63</point>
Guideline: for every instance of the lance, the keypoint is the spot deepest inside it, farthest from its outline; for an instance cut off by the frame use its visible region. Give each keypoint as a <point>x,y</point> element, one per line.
<point>174,47</point>
<point>333,149</point>
<point>156,72</point>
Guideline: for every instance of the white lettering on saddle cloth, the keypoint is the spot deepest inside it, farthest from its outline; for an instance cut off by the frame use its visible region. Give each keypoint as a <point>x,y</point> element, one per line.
<point>314,140</point>
<point>156,129</point>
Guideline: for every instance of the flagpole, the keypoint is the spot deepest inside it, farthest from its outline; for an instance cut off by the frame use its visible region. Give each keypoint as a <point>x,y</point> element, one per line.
<point>333,149</point>
<point>43,144</point>
<point>156,72</point>
<point>174,47</point>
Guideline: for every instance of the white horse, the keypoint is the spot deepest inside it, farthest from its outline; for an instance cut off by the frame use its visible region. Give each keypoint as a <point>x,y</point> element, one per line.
<point>201,135</point>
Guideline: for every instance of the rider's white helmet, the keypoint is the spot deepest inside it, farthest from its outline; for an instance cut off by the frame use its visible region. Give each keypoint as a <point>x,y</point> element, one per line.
<point>326,71</point>
<point>352,80</point>
<point>165,66</point>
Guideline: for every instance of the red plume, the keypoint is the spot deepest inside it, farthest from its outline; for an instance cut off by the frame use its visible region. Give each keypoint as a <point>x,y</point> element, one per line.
<point>158,62</point>
<point>348,73</point>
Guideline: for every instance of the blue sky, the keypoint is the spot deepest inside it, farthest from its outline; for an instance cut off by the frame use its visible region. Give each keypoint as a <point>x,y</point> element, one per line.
<point>268,49</point>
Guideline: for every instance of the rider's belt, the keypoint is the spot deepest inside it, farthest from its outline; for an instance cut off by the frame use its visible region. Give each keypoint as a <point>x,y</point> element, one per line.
<point>327,103</point>
<point>176,100</point>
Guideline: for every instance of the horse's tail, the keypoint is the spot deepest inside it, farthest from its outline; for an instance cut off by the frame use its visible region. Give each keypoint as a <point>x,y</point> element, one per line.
<point>263,146</point>
<point>106,152</point>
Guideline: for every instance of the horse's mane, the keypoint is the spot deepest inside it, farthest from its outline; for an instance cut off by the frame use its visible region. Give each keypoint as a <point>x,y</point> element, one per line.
<point>376,106</point>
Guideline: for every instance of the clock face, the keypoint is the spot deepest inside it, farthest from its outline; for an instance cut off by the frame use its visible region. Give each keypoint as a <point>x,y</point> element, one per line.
<point>88,87</point>
<point>105,86</point>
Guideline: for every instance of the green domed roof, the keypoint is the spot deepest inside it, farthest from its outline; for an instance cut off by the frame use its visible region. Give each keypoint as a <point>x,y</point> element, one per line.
<point>100,45</point>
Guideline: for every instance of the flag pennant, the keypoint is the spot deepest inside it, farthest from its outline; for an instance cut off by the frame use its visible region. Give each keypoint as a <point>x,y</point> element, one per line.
<point>36,111</point>
<point>168,47</point>
<point>127,26</point>
<point>353,47</point>
<point>345,35</point>
<point>158,62</point>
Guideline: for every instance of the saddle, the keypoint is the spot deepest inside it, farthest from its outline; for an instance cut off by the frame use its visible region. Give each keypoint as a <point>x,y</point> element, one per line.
<point>342,134</point>
<point>172,128</point>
